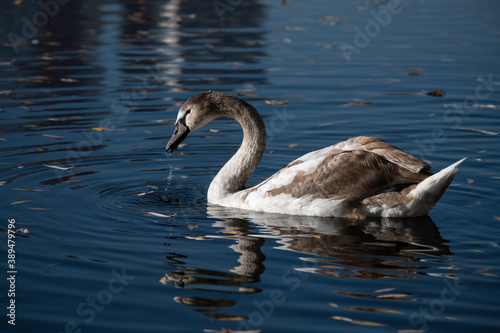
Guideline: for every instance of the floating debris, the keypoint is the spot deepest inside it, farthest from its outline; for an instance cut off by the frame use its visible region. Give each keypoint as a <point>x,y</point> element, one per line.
<point>436,93</point>
<point>358,322</point>
<point>287,27</point>
<point>357,103</point>
<point>273,102</point>
<point>160,215</point>
<point>100,129</point>
<point>19,202</point>
<point>58,167</point>
<point>479,131</point>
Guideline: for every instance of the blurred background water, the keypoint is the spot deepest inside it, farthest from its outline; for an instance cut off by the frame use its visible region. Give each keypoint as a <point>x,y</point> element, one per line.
<point>114,236</point>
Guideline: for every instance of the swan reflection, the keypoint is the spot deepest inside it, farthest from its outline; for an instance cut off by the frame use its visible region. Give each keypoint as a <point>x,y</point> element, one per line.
<point>340,248</point>
<point>369,249</point>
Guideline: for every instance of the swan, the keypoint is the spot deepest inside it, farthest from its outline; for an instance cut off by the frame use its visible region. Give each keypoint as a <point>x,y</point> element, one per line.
<point>357,178</point>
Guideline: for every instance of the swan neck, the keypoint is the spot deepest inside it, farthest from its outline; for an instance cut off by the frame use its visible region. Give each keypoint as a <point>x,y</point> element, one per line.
<point>235,173</point>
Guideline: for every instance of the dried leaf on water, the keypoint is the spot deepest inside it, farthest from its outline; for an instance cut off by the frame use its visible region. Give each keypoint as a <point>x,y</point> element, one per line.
<point>357,103</point>
<point>436,93</point>
<point>358,322</point>
<point>160,215</point>
<point>375,310</point>
<point>483,269</point>
<point>403,297</point>
<point>273,102</point>
<point>292,145</point>
<point>480,131</point>
<point>470,181</point>
<point>19,202</point>
<point>58,167</point>
<point>53,136</point>
<point>192,226</point>
<point>486,106</point>
<point>384,290</point>
<point>100,129</point>
<point>26,189</point>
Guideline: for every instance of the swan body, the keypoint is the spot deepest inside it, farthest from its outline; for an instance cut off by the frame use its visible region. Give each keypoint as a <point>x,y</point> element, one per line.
<point>357,178</point>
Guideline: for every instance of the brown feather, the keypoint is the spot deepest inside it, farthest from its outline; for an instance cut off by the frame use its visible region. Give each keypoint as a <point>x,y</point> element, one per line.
<point>386,150</point>
<point>353,174</point>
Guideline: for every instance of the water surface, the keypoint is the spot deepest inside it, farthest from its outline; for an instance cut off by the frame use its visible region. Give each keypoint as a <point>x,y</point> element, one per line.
<point>121,238</point>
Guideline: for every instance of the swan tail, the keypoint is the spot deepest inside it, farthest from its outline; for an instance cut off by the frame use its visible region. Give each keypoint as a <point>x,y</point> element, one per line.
<point>430,190</point>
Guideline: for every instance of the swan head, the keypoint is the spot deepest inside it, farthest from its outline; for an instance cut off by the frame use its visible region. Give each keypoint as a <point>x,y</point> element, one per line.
<point>198,111</point>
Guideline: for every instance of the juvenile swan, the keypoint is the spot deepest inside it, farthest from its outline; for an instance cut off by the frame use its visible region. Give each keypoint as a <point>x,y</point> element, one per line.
<point>359,177</point>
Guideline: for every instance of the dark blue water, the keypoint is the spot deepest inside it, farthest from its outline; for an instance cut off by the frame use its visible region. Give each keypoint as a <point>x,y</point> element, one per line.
<point>121,238</point>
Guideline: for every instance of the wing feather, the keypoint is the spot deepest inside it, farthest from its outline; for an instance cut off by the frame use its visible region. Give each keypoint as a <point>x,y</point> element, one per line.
<point>354,174</point>
<point>386,150</point>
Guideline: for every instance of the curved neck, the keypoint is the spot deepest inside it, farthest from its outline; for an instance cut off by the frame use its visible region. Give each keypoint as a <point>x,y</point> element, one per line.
<point>234,174</point>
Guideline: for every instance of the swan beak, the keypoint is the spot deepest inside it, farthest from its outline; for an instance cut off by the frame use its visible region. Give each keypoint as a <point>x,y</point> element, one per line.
<point>181,132</point>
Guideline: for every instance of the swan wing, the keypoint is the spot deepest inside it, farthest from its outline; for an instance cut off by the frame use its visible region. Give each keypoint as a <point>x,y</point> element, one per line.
<point>384,149</point>
<point>334,173</point>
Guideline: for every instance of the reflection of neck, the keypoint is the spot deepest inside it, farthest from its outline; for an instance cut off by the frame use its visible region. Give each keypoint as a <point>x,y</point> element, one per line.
<point>234,174</point>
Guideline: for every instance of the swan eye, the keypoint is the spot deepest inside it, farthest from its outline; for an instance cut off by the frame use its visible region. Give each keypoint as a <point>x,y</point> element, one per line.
<point>183,119</point>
